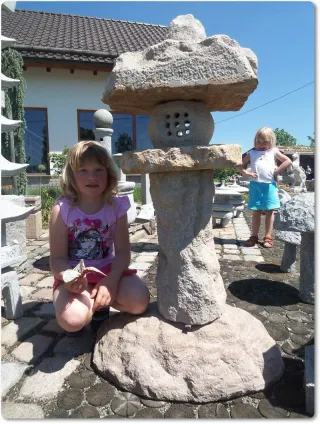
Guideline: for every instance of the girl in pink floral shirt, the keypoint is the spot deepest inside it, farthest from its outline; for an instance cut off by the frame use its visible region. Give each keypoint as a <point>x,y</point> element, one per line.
<point>89,222</point>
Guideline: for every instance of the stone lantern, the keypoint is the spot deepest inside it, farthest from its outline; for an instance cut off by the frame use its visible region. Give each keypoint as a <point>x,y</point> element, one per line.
<point>13,214</point>
<point>190,345</point>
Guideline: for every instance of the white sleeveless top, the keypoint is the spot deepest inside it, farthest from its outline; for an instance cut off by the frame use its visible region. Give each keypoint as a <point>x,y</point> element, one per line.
<point>263,162</point>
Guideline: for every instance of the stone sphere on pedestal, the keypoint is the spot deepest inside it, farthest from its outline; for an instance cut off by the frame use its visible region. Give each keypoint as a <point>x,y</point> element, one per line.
<point>102,118</point>
<point>180,123</point>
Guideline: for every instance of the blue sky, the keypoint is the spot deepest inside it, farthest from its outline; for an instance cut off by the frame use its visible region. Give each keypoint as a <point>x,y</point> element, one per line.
<point>281,34</point>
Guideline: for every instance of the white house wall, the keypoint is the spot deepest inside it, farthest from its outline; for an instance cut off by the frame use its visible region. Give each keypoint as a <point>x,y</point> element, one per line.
<point>62,93</point>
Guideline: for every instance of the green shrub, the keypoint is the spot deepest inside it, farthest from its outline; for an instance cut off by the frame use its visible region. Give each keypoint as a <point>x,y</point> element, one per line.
<point>48,197</point>
<point>58,160</point>
<point>137,195</point>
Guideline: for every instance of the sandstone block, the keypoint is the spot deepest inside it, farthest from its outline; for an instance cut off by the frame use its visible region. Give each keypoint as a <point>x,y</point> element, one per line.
<point>185,158</point>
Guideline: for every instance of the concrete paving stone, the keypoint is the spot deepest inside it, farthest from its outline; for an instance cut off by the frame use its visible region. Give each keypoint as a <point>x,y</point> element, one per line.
<point>231,246</point>
<point>53,326</point>
<point>301,340</point>
<point>46,310</point>
<point>28,304</point>
<point>31,349</point>
<point>231,257</point>
<point>140,266</point>
<point>298,328</point>
<point>268,410</point>
<point>243,410</point>
<point>21,411</point>
<point>141,273</point>
<point>148,413</point>
<point>145,258</point>
<point>11,372</point>
<point>253,258</point>
<point>85,411</point>
<point>149,253</point>
<point>151,247</point>
<point>70,398</point>
<point>81,379</point>
<point>39,242</point>
<point>178,410</point>
<point>44,236</point>
<point>145,240</point>
<point>299,316</point>
<point>231,251</point>
<point>277,332</point>
<point>277,319</point>
<point>26,291</point>
<point>250,250</point>
<point>48,378</point>
<point>217,246</point>
<point>213,410</point>
<point>17,329</point>
<point>125,404</point>
<point>28,280</point>
<point>71,347</point>
<point>100,394</point>
<point>46,282</point>
<point>289,347</point>
<point>43,294</point>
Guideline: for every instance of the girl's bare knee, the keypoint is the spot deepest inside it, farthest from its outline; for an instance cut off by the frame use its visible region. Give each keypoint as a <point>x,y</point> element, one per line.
<point>73,322</point>
<point>141,303</point>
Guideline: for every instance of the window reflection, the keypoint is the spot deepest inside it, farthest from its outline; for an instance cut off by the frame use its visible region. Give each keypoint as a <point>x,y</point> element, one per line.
<point>36,139</point>
<point>85,125</point>
<point>122,137</point>
<point>143,141</point>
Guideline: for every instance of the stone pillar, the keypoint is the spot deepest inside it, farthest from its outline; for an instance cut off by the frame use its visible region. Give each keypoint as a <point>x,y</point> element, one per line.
<point>307,268</point>
<point>145,189</point>
<point>190,288</point>
<point>103,120</point>
<point>116,158</point>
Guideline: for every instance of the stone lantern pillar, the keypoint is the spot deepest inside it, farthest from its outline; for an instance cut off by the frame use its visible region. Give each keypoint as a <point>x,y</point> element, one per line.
<point>190,345</point>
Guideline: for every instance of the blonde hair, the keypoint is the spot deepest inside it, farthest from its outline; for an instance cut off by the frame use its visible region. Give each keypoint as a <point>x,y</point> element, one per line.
<point>77,155</point>
<point>267,134</point>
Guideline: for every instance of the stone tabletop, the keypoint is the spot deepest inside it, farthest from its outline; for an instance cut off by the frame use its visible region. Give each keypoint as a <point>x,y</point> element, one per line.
<point>47,373</point>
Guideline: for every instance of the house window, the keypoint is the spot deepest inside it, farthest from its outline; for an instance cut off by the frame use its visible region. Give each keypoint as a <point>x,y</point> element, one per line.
<point>85,125</point>
<point>128,130</point>
<point>36,140</point>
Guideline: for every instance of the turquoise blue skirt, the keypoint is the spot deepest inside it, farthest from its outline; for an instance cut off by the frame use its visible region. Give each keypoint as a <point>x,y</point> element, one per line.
<point>263,196</point>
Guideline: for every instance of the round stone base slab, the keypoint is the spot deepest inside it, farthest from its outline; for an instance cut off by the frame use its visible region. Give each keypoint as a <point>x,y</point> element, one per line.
<point>158,359</point>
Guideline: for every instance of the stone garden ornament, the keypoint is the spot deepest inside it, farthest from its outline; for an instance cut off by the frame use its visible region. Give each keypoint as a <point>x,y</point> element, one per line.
<point>299,175</point>
<point>190,345</point>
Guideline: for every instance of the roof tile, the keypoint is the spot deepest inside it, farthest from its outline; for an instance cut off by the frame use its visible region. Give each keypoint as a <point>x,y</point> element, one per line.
<point>47,31</point>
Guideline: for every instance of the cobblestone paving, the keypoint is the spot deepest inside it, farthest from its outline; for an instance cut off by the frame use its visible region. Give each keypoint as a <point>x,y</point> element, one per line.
<point>47,373</point>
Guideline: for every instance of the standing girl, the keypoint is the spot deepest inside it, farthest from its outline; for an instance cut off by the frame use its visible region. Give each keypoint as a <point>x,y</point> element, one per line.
<point>263,191</point>
<point>88,222</point>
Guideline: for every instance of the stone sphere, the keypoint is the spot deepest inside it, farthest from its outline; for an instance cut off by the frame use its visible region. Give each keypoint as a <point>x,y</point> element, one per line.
<point>102,118</point>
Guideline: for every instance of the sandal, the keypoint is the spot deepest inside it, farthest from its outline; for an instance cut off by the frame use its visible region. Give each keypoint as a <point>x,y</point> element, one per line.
<point>252,241</point>
<point>267,242</point>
